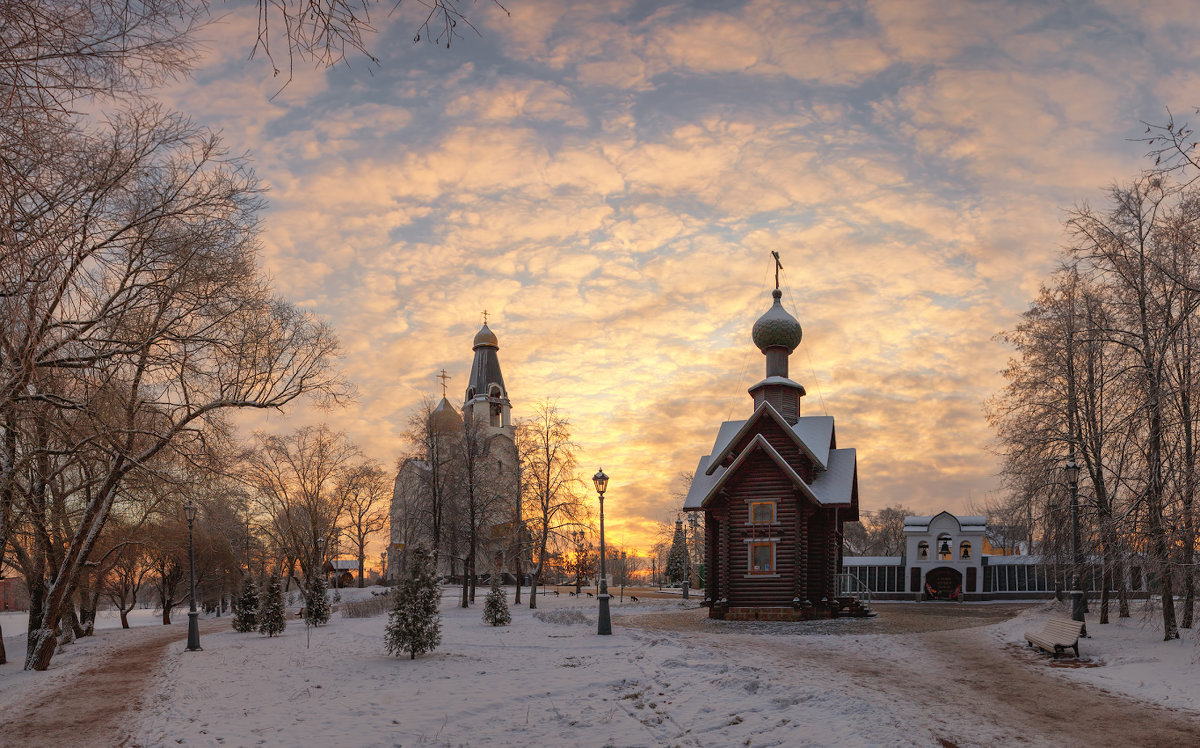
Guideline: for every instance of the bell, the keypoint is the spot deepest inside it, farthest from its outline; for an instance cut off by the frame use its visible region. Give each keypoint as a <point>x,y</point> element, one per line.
<point>945,548</point>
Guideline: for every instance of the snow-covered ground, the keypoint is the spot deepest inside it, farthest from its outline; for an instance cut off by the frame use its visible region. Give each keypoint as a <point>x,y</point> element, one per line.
<point>1126,656</point>
<point>548,679</point>
<point>69,659</point>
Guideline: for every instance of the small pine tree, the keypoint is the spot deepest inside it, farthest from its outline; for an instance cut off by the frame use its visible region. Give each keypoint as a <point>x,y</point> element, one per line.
<point>245,607</point>
<point>495,608</point>
<point>677,559</point>
<point>271,617</point>
<point>415,624</point>
<point>316,602</point>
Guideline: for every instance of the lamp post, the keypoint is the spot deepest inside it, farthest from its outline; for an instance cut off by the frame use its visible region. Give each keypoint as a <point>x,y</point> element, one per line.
<point>193,642</point>
<point>1077,604</point>
<point>604,626</point>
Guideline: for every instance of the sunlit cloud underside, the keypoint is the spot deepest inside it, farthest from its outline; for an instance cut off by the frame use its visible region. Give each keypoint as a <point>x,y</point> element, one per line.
<point>607,181</point>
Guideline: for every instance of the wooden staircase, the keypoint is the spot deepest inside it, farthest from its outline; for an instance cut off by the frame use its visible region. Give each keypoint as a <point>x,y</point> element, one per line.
<point>853,599</point>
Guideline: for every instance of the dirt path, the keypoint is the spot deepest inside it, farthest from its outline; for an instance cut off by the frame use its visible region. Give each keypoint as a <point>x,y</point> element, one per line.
<point>93,707</point>
<point>952,674</point>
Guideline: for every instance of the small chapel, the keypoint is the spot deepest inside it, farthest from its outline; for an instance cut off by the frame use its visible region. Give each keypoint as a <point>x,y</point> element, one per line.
<point>487,409</point>
<point>775,490</point>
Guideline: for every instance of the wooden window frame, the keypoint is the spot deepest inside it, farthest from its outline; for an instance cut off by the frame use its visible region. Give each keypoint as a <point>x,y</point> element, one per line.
<point>774,513</point>
<point>750,558</point>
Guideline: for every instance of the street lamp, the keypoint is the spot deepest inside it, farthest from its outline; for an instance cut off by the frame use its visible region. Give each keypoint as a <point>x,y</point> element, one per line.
<point>193,642</point>
<point>604,626</point>
<point>1071,471</point>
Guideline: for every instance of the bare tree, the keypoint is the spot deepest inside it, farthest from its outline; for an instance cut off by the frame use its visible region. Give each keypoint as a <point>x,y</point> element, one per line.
<point>883,531</point>
<point>1068,394</point>
<point>367,489</point>
<point>1131,250</point>
<point>122,585</point>
<point>487,492</point>
<point>134,318</point>
<point>428,480</point>
<point>550,490</point>
<point>323,31</point>
<point>1105,375</point>
<point>297,483</point>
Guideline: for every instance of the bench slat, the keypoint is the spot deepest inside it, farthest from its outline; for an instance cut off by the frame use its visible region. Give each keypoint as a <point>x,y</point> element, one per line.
<point>1058,635</point>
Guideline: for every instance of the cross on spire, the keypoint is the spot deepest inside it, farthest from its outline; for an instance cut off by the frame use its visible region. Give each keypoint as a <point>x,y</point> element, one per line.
<point>445,378</point>
<point>778,267</point>
<point>485,316</point>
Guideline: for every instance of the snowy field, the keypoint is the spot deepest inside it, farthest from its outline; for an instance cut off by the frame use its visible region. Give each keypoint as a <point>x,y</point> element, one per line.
<point>549,680</point>
<point>1125,656</point>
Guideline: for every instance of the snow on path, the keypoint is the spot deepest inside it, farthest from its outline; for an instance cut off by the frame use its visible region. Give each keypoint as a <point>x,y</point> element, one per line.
<point>91,687</point>
<point>546,680</point>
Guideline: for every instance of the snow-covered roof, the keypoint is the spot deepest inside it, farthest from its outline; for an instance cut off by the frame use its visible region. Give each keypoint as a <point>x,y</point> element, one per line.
<point>966,523</point>
<point>812,434</point>
<point>872,561</point>
<point>702,484</point>
<point>836,484</point>
<point>344,564</point>
<point>832,486</point>
<point>817,433</point>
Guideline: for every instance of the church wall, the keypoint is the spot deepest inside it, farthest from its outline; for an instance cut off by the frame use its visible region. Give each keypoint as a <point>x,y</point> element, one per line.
<point>761,480</point>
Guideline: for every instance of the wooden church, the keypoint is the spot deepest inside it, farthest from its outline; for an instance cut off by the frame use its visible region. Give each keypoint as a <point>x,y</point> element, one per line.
<point>775,491</point>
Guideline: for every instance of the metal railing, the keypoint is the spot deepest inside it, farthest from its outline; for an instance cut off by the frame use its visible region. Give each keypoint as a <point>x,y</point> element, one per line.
<point>849,585</point>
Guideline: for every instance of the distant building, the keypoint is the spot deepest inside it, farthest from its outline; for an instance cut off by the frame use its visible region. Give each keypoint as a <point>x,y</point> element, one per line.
<point>501,541</point>
<point>13,594</point>
<point>341,572</point>
<point>949,557</point>
<point>774,490</point>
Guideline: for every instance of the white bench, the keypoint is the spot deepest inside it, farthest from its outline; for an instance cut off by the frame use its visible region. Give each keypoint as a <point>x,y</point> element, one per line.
<point>1059,635</point>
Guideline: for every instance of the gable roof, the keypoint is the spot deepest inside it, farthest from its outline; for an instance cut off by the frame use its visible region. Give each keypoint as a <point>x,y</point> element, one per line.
<point>812,435</point>
<point>832,486</point>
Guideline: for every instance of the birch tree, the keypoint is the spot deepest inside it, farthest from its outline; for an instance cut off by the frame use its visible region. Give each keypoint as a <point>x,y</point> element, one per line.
<point>1131,249</point>
<point>551,492</point>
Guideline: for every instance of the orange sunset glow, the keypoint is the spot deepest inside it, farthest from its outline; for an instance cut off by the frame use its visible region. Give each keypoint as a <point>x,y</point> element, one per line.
<point>607,180</point>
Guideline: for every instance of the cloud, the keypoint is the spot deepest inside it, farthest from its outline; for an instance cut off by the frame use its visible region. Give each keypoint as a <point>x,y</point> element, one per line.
<point>607,179</point>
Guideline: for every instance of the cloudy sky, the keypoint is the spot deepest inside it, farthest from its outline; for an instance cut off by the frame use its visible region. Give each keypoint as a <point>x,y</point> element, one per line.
<point>607,180</point>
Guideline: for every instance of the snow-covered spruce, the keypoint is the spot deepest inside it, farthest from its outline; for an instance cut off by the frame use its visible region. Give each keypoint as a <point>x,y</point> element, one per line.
<point>415,623</point>
<point>495,608</point>
<point>271,617</point>
<point>316,601</point>
<point>245,607</point>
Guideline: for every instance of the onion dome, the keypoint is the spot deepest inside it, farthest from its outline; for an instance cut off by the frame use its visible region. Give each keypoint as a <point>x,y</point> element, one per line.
<point>485,337</point>
<point>777,328</point>
<point>445,419</point>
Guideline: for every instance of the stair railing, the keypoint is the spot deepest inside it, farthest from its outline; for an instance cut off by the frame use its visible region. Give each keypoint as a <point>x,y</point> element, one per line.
<point>849,585</point>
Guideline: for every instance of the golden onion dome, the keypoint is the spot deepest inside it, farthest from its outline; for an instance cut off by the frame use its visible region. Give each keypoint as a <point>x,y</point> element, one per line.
<point>485,337</point>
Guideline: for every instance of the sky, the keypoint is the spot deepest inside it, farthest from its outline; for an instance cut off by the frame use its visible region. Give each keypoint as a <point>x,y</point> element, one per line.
<point>608,179</point>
